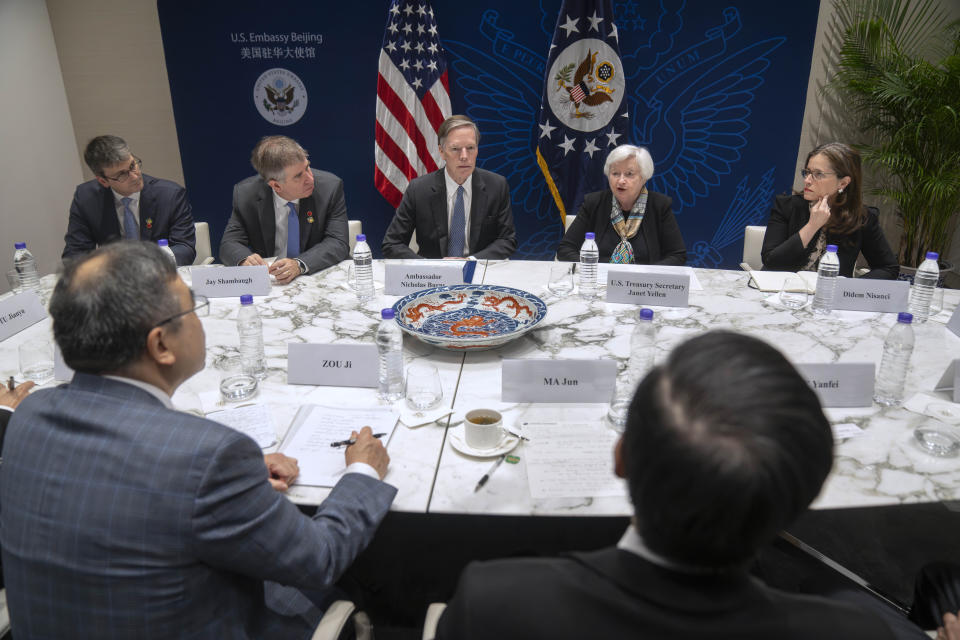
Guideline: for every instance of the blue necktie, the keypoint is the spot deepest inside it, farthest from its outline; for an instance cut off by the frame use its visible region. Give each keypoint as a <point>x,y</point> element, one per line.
<point>293,232</point>
<point>130,229</point>
<point>458,225</point>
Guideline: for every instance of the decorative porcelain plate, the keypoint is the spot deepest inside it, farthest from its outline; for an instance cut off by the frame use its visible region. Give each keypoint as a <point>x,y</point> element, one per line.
<point>469,316</point>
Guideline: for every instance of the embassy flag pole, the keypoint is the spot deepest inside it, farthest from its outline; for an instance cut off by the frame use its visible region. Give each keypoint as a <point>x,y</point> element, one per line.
<point>413,98</point>
<point>583,113</point>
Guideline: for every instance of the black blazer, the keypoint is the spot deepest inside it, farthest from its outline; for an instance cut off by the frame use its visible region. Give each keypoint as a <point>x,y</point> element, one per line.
<point>783,251</point>
<point>165,212</point>
<point>424,208</point>
<point>659,233</point>
<point>253,224</point>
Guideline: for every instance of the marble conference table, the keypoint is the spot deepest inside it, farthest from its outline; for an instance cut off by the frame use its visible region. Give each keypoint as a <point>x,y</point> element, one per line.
<point>879,467</point>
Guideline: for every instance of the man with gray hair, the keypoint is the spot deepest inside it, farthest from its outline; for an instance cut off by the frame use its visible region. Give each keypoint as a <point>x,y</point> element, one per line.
<point>124,517</point>
<point>458,210</point>
<point>122,202</point>
<point>289,210</point>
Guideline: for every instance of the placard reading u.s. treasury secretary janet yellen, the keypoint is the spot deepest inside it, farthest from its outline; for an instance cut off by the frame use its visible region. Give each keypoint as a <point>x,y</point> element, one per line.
<point>656,289</point>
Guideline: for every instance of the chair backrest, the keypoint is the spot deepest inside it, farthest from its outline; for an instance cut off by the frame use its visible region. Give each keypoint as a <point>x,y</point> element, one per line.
<point>204,253</point>
<point>752,243</point>
<point>353,228</point>
<point>568,221</point>
<point>434,611</point>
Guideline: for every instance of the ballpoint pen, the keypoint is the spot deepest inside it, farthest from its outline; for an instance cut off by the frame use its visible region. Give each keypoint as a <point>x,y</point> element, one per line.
<point>352,441</point>
<point>489,473</point>
<point>10,384</point>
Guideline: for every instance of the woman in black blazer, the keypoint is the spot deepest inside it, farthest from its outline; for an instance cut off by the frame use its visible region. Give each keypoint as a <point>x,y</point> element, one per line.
<point>830,210</point>
<point>632,225</point>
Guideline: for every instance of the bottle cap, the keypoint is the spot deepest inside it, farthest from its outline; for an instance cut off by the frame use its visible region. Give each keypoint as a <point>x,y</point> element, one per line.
<point>646,314</point>
<point>932,255</point>
<point>246,299</point>
<point>361,237</point>
<point>832,248</point>
<point>904,317</point>
<point>163,243</point>
<point>19,245</point>
<point>387,314</point>
<point>590,235</point>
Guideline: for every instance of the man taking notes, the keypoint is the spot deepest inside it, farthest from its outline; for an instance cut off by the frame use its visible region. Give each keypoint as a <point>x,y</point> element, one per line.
<point>457,211</point>
<point>288,210</point>
<point>124,517</point>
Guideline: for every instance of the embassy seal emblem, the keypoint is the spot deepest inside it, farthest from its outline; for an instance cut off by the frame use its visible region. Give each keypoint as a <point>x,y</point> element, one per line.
<point>589,85</point>
<point>280,97</point>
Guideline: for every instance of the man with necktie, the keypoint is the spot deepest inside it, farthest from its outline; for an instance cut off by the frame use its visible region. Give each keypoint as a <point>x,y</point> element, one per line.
<point>289,210</point>
<point>122,202</point>
<point>457,211</point>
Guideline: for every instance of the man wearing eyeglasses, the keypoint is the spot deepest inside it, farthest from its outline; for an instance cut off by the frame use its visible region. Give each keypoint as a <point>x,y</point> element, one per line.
<point>122,202</point>
<point>147,521</point>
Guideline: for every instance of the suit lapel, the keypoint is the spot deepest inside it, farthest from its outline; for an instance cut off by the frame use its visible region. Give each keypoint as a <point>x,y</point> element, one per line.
<point>148,210</point>
<point>267,220</point>
<point>438,208</point>
<point>478,206</point>
<point>306,206</point>
<point>109,224</point>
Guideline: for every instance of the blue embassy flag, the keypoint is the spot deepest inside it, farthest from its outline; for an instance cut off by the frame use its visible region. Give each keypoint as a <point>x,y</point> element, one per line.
<point>583,114</point>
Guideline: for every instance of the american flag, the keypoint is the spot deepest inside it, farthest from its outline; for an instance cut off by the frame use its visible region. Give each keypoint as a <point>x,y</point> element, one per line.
<point>413,98</point>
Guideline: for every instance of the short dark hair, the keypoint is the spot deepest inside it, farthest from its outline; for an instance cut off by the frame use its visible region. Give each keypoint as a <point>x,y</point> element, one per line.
<point>455,122</point>
<point>273,154</point>
<point>105,151</point>
<point>101,318</point>
<point>725,445</point>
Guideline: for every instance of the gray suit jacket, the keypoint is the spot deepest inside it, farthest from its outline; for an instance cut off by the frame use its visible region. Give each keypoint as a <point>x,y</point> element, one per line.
<point>424,209</point>
<point>122,518</point>
<point>252,225</point>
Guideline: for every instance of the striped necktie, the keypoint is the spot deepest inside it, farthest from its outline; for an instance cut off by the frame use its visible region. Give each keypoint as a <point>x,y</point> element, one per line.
<point>458,223</point>
<point>131,230</point>
<point>293,232</point>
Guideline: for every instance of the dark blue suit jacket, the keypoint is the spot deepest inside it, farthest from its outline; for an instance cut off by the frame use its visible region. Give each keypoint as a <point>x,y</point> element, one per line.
<point>165,213</point>
<point>124,519</point>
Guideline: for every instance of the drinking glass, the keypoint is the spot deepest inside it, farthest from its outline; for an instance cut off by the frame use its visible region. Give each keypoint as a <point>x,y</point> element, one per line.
<point>422,388</point>
<point>351,276</point>
<point>13,280</point>
<point>36,360</point>
<point>793,294</point>
<point>561,279</point>
<point>235,384</point>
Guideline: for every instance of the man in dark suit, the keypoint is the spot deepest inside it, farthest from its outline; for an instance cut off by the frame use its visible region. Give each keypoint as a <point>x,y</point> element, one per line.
<point>725,445</point>
<point>124,517</point>
<point>121,202</point>
<point>289,210</point>
<point>457,211</point>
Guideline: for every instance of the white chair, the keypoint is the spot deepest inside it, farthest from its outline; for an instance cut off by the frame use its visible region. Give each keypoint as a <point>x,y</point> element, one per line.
<point>752,243</point>
<point>568,221</point>
<point>204,252</point>
<point>336,617</point>
<point>431,619</point>
<point>354,227</point>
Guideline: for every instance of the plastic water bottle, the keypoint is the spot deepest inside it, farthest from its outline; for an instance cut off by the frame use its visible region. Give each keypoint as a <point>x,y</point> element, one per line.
<point>363,268</point>
<point>390,348</point>
<point>924,282</point>
<point>643,343</point>
<point>167,251</point>
<point>826,280</point>
<point>897,349</point>
<point>26,267</point>
<point>252,358</point>
<point>589,256</point>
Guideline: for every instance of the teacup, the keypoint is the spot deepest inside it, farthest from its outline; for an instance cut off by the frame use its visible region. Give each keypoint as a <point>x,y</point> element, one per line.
<point>483,428</point>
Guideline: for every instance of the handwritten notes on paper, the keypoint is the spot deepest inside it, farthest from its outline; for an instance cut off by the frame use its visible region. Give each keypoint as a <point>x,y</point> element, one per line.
<point>316,426</point>
<point>571,460</point>
<point>255,420</point>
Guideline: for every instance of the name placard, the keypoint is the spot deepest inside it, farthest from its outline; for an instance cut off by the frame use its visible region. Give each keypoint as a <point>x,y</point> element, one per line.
<point>841,384</point>
<point>401,279</point>
<point>861,294</point>
<point>332,365</point>
<point>950,380</point>
<point>954,323</point>
<point>660,289</point>
<point>557,380</point>
<point>19,312</point>
<point>230,282</point>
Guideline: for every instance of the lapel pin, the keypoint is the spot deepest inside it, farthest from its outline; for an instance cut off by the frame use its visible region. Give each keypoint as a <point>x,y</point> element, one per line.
<point>149,223</point>
<point>310,217</point>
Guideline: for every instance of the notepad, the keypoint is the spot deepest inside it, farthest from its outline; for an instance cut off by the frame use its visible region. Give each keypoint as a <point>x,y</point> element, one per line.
<point>255,420</point>
<point>773,280</point>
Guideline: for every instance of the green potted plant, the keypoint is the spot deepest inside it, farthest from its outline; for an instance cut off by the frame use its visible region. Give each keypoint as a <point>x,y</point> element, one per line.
<point>898,75</point>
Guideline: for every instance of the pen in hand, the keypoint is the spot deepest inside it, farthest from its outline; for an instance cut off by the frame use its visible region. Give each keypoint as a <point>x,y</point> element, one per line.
<point>10,384</point>
<point>351,441</point>
<point>489,473</point>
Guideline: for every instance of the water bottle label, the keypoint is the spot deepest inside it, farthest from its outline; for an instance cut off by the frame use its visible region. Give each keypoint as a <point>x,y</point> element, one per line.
<point>660,289</point>
<point>19,312</point>
<point>950,380</point>
<point>861,294</point>
<point>558,380</point>
<point>841,384</point>
<point>230,282</point>
<point>401,279</point>
<point>332,365</point>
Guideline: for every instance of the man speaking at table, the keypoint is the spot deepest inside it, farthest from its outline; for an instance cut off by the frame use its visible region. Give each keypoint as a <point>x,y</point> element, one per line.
<point>122,517</point>
<point>289,210</point>
<point>122,202</point>
<point>725,445</point>
<point>458,210</point>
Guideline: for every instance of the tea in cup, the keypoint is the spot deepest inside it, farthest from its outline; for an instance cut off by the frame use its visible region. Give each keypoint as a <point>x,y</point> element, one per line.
<point>483,428</point>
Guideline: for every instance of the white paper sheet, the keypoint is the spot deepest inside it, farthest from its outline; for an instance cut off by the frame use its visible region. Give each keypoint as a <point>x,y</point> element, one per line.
<point>571,460</point>
<point>316,426</point>
<point>255,420</point>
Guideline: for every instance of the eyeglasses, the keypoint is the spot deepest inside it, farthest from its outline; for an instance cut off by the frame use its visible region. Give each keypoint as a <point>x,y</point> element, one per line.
<point>816,175</point>
<point>135,165</point>
<point>200,305</point>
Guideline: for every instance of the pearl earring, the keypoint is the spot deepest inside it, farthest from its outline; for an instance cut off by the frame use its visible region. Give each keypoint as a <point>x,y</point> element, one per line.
<point>840,190</point>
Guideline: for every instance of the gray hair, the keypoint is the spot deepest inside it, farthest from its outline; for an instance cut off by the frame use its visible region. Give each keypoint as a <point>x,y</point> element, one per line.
<point>455,122</point>
<point>105,151</point>
<point>625,151</point>
<point>273,154</point>
<point>101,318</point>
